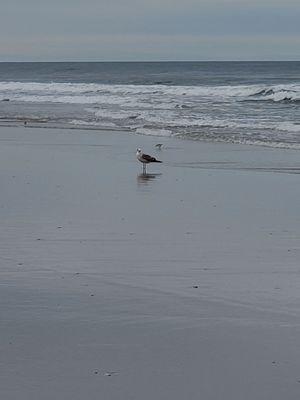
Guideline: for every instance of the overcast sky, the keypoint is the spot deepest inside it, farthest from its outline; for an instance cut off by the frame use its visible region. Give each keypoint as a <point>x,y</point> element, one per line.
<point>131,30</point>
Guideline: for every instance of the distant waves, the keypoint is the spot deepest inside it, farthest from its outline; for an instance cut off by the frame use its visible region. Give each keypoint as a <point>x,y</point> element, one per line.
<point>258,113</point>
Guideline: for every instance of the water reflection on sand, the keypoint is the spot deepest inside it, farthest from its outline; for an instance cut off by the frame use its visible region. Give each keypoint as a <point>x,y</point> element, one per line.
<point>146,179</point>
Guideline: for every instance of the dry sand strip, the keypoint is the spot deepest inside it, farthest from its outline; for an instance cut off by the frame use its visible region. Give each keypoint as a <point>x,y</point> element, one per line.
<point>181,284</point>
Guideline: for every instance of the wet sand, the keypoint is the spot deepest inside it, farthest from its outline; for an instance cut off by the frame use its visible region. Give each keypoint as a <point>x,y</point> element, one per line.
<point>182,284</point>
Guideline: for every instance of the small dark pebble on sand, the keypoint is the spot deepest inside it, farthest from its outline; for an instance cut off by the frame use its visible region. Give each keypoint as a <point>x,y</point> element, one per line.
<point>195,287</point>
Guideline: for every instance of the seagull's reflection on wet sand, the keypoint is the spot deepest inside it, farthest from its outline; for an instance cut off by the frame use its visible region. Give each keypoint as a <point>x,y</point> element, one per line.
<point>145,179</point>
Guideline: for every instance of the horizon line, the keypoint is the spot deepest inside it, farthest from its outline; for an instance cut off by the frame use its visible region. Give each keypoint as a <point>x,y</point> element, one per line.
<point>143,61</point>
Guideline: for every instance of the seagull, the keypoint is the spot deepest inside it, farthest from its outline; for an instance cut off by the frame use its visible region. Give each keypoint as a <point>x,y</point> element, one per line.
<point>145,159</point>
<point>159,146</point>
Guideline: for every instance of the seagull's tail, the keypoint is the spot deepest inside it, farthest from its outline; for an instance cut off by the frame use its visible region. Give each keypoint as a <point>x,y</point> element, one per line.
<point>157,161</point>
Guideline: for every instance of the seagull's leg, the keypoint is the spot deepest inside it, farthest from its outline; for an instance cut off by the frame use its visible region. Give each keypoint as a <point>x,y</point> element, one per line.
<point>144,168</point>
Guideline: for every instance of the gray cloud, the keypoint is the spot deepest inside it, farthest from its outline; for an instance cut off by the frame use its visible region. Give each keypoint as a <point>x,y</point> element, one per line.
<point>132,29</point>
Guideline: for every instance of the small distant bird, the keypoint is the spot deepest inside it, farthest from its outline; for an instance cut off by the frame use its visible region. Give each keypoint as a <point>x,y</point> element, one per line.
<point>159,146</point>
<point>145,159</point>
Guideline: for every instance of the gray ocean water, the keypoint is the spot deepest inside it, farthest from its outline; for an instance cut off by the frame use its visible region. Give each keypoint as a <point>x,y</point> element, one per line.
<point>239,102</point>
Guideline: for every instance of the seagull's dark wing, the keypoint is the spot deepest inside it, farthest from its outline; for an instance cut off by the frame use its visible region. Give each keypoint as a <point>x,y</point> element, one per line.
<point>148,158</point>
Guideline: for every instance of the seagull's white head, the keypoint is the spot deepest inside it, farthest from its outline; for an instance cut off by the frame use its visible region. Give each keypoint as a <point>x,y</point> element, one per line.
<point>138,152</point>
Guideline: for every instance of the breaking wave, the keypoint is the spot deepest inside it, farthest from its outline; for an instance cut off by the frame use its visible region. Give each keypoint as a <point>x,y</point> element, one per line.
<point>241,113</point>
<point>86,93</point>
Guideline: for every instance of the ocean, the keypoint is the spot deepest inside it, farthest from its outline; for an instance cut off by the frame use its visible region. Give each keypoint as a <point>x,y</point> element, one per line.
<point>238,102</point>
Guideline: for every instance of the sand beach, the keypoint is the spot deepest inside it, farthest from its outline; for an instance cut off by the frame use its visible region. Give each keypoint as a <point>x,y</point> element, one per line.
<point>181,284</point>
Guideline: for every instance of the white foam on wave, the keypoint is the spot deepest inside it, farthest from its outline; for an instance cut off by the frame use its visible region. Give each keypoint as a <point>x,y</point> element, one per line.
<point>114,114</point>
<point>154,132</point>
<point>67,92</point>
<point>280,93</point>
<point>272,144</point>
<point>92,123</point>
<point>288,126</point>
<point>82,122</point>
<point>170,110</point>
<point>171,119</point>
<point>165,118</point>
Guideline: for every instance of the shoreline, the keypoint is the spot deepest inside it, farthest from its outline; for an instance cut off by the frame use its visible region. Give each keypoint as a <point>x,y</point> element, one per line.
<point>87,128</point>
<point>180,284</point>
